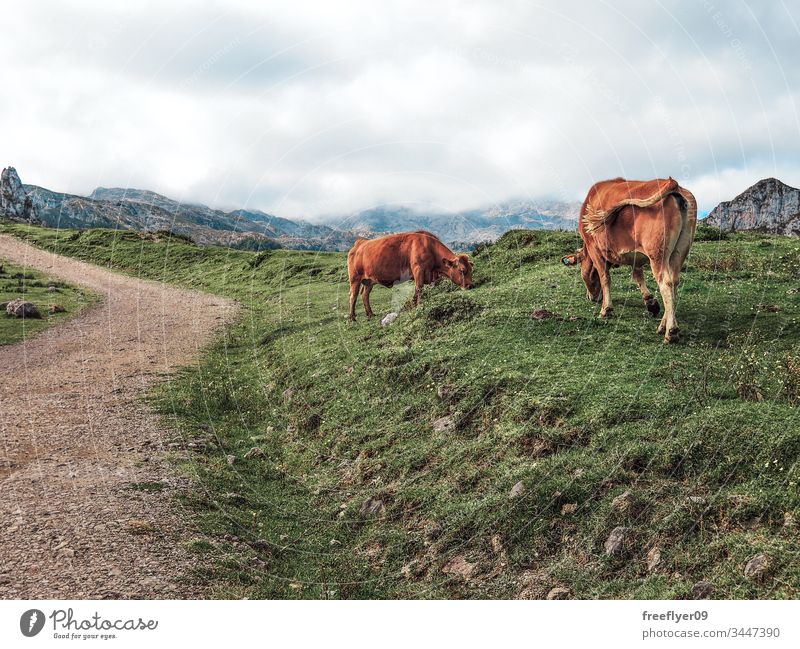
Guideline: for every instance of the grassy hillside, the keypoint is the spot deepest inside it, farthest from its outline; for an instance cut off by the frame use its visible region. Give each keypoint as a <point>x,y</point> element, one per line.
<point>359,488</point>
<point>17,282</point>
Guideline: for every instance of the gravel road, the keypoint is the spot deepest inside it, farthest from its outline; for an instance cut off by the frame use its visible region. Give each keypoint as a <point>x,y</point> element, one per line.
<point>75,438</point>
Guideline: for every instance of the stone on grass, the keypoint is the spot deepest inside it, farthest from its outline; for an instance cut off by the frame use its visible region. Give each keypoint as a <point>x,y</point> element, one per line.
<point>255,452</point>
<point>444,424</point>
<point>617,541</point>
<point>702,590</point>
<point>389,318</point>
<point>653,558</point>
<point>757,567</point>
<point>20,308</point>
<point>230,459</point>
<point>517,490</point>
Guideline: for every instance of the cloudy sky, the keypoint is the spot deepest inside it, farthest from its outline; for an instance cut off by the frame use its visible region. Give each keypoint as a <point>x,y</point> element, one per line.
<point>307,109</point>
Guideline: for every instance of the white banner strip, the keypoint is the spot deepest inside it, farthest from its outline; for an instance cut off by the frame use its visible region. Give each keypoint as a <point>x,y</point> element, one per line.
<point>372,624</point>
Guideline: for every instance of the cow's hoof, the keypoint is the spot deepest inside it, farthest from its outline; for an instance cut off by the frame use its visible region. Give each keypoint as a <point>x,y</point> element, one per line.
<point>607,313</point>
<point>653,306</point>
<point>662,329</point>
<point>673,335</point>
<point>370,316</point>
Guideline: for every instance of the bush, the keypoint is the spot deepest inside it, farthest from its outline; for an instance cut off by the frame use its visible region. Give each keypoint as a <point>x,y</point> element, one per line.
<point>706,232</point>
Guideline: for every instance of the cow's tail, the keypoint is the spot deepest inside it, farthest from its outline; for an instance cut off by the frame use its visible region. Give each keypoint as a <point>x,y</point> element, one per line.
<point>688,210</point>
<point>595,219</point>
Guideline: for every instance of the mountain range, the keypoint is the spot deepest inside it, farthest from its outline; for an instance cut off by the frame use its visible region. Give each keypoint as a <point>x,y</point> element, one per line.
<point>147,211</point>
<point>769,206</point>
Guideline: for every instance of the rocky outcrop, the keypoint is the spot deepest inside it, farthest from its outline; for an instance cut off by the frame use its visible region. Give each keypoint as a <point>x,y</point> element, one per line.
<point>768,206</point>
<point>15,203</point>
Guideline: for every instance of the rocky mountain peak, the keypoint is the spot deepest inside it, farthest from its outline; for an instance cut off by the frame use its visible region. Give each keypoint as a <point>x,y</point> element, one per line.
<point>14,200</point>
<point>768,206</point>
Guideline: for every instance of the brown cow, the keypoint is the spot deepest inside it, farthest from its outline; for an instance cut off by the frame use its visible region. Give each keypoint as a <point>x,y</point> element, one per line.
<point>629,222</point>
<point>400,257</point>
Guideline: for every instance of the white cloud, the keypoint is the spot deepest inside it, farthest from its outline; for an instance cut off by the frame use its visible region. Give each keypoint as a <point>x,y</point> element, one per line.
<point>311,108</point>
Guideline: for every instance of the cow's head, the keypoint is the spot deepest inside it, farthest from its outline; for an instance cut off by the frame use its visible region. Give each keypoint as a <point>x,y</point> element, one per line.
<point>459,269</point>
<point>588,273</point>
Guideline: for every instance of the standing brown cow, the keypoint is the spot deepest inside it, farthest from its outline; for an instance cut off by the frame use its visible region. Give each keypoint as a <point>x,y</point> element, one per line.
<point>400,257</point>
<point>628,222</point>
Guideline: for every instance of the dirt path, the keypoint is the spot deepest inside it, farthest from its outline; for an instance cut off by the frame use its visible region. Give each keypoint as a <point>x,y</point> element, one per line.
<point>74,437</point>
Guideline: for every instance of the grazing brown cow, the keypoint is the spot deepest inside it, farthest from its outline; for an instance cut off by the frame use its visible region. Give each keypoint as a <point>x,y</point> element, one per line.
<point>400,257</point>
<point>629,222</point>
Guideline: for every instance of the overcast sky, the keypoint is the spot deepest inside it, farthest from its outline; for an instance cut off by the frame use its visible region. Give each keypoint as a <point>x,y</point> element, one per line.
<point>307,109</point>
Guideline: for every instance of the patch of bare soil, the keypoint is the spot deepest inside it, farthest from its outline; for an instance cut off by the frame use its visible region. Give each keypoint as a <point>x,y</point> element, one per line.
<point>76,439</point>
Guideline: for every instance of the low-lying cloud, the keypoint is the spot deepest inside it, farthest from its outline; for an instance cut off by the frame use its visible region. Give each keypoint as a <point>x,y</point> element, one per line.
<point>310,109</point>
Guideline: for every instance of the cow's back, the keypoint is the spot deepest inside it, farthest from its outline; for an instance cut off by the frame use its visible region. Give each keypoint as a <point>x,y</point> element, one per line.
<point>387,259</point>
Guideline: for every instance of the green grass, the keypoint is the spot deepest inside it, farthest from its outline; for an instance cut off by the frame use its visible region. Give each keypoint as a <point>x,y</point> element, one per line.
<point>705,434</point>
<point>18,282</point>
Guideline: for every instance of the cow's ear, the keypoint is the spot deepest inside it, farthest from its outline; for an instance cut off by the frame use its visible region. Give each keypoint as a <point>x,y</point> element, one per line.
<point>450,263</point>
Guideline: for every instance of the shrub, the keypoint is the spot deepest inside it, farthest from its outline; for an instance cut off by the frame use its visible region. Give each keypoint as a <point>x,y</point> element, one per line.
<point>705,232</point>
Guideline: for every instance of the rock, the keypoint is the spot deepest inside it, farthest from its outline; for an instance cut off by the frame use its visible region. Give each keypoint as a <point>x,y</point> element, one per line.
<point>20,308</point>
<point>697,501</point>
<point>255,453</point>
<point>51,289</point>
<point>230,459</point>
<point>702,590</point>
<point>558,593</point>
<point>444,424</point>
<point>57,308</point>
<point>653,558</point>
<point>768,206</point>
<point>372,507</point>
<point>389,318</point>
<point>543,314</point>
<point>626,503</point>
<point>569,508</point>
<point>15,203</point>
<point>517,490</point>
<point>757,567</point>
<point>618,540</point>
<point>460,567</point>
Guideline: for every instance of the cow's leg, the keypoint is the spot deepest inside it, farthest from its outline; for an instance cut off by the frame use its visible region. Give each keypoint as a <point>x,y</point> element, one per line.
<point>420,279</point>
<point>587,273</point>
<point>355,286</point>
<point>649,301</point>
<point>666,285</point>
<point>604,273</point>
<point>365,298</point>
